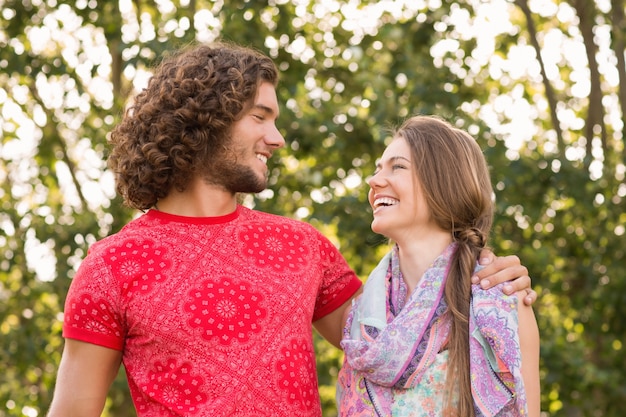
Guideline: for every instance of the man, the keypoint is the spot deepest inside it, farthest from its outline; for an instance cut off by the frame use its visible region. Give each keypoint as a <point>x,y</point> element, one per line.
<point>208,304</point>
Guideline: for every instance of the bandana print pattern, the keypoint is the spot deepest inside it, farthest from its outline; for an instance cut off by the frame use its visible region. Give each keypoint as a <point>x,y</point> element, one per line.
<point>175,386</point>
<point>274,246</point>
<point>95,316</point>
<point>140,263</point>
<point>226,311</point>
<point>213,316</point>
<point>296,370</point>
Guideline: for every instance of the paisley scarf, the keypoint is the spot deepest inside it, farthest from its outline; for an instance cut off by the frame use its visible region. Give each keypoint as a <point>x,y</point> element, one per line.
<point>389,343</point>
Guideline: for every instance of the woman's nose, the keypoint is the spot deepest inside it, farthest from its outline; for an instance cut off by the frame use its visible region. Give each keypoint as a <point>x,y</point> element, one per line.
<point>375,180</point>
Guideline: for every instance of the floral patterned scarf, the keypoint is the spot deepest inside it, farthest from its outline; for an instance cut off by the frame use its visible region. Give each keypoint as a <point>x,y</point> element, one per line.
<point>390,341</point>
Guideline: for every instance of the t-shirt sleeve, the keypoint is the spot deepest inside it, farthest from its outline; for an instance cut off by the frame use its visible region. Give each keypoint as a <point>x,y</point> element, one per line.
<point>91,311</point>
<point>339,282</point>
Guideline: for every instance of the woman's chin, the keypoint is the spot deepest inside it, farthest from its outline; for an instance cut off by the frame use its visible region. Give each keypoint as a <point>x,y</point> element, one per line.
<point>378,228</point>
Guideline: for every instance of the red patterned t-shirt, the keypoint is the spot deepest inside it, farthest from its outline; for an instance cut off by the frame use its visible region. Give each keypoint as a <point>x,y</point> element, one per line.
<point>213,315</point>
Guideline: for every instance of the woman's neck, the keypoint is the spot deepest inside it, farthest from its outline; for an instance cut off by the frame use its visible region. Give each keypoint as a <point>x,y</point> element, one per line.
<point>417,255</point>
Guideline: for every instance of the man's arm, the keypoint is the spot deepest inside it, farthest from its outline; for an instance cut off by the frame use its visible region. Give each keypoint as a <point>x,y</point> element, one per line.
<point>504,269</point>
<point>85,374</point>
<point>496,270</point>
<point>331,325</point>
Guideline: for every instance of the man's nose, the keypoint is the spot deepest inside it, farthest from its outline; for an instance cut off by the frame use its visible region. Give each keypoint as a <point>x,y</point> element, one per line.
<point>275,138</point>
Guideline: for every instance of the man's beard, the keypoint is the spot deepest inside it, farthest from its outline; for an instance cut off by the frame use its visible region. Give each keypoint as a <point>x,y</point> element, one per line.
<point>234,177</point>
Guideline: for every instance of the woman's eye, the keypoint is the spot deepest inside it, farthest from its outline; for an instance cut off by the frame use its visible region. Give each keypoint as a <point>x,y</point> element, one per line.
<point>394,167</point>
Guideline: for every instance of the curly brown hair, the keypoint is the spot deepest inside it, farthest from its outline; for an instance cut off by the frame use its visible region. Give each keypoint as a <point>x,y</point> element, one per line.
<point>183,118</point>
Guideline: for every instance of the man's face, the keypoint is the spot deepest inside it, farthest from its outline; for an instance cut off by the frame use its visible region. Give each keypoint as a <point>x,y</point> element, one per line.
<point>242,167</point>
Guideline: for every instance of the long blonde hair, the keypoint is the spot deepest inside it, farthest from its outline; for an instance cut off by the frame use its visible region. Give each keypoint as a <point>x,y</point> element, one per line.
<point>455,181</point>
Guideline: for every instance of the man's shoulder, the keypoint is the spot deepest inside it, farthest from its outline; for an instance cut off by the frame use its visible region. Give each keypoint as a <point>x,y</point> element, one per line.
<point>256,215</point>
<point>132,230</point>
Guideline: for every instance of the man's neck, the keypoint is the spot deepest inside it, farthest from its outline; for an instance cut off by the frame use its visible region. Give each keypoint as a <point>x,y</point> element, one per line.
<point>199,200</point>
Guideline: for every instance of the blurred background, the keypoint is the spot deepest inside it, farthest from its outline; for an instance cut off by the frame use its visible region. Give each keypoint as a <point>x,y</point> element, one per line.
<point>541,84</point>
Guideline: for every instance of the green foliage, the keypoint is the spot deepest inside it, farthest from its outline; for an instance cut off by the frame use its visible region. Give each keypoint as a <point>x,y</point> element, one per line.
<point>67,70</point>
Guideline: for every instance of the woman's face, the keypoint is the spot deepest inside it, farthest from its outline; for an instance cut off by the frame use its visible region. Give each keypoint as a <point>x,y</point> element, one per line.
<point>396,197</point>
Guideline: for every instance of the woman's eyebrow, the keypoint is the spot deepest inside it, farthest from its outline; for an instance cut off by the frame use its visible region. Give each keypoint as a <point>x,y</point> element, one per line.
<point>391,160</point>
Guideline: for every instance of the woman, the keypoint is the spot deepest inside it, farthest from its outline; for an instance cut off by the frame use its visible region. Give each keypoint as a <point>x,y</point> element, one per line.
<point>421,340</point>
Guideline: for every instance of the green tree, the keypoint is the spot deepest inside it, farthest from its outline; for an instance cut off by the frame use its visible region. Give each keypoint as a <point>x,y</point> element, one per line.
<point>543,89</point>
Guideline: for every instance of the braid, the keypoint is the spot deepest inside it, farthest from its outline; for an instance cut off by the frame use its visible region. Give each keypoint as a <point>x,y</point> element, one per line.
<point>470,241</point>
<point>472,236</point>
<point>458,296</point>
